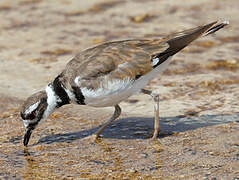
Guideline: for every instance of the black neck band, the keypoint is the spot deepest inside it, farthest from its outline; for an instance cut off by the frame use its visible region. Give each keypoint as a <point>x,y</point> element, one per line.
<point>60,92</point>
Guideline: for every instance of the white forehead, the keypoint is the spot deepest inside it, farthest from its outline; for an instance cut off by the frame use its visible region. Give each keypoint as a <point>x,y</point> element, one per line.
<point>32,107</point>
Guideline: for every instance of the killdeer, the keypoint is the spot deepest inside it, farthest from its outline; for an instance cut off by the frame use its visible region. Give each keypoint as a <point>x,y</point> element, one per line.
<point>109,73</point>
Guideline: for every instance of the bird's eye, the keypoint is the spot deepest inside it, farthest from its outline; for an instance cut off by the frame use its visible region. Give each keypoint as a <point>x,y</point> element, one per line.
<point>32,115</point>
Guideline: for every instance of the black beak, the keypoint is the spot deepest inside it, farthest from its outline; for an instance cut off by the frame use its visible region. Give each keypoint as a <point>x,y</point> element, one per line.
<point>27,136</point>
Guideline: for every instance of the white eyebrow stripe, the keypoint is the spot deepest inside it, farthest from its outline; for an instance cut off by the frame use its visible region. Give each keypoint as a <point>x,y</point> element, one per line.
<point>32,107</point>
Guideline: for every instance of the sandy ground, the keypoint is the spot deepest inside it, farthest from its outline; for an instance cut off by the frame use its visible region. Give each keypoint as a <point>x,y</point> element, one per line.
<point>198,93</point>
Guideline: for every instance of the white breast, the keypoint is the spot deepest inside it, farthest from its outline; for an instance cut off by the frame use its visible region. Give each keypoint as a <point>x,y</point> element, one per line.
<point>113,92</point>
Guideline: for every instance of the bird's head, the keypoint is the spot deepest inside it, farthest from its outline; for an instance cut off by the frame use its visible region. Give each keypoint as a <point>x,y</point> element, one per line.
<point>32,111</point>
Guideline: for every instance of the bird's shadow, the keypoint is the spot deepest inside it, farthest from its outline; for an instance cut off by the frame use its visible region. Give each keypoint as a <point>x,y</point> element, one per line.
<point>142,128</point>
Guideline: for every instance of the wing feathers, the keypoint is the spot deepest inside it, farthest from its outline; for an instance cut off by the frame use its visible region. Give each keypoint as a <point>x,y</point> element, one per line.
<point>180,40</point>
<point>130,58</point>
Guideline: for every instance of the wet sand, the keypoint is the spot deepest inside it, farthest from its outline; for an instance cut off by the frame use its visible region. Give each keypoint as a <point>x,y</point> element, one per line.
<point>198,93</point>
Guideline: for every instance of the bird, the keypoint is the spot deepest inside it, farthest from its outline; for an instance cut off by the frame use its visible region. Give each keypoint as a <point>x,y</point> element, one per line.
<point>106,74</point>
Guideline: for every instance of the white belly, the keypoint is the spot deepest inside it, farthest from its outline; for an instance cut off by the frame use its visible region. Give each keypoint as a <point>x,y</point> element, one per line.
<point>113,92</point>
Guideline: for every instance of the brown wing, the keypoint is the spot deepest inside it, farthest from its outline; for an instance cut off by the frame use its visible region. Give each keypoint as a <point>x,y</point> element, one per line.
<point>129,58</point>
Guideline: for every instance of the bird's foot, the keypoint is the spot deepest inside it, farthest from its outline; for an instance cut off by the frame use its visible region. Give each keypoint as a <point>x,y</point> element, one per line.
<point>94,138</point>
<point>155,136</point>
<point>161,134</point>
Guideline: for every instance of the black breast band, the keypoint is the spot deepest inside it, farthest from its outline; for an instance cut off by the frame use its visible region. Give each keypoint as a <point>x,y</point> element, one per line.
<point>79,96</point>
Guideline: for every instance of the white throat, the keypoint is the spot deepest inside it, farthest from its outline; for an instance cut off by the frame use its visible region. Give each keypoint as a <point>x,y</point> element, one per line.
<point>52,100</point>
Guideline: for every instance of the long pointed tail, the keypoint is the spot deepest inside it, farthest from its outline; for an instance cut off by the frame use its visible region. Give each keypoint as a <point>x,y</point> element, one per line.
<point>216,27</point>
<point>180,40</point>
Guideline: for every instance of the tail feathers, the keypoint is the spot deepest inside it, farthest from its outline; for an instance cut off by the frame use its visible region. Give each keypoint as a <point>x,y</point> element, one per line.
<point>180,40</point>
<point>200,30</point>
<point>216,28</point>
